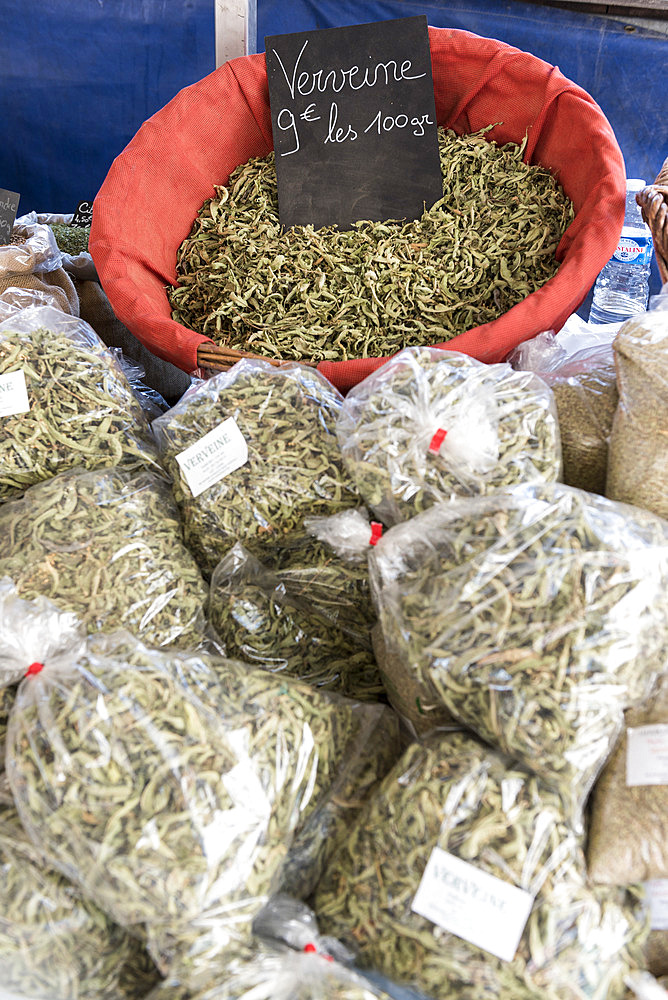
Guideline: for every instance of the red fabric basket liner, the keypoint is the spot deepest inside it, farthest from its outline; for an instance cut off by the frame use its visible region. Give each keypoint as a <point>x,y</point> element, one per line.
<point>155,187</point>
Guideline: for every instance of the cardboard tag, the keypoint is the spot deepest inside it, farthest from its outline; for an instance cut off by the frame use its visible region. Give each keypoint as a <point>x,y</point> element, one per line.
<point>9,206</point>
<point>13,394</point>
<point>647,755</point>
<point>214,456</point>
<point>83,216</point>
<point>474,905</point>
<point>354,123</point>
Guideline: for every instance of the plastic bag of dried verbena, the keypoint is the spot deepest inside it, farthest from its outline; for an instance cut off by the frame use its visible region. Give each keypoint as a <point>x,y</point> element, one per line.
<point>171,786</point>
<point>462,877</point>
<point>251,453</point>
<point>535,616</point>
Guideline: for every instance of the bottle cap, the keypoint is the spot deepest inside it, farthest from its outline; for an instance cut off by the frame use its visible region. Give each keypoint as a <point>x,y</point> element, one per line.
<point>635,184</point>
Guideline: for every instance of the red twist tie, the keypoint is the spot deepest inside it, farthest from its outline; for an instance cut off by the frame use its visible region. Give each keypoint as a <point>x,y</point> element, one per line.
<point>34,668</point>
<point>311,949</point>
<point>376,532</point>
<point>437,440</point>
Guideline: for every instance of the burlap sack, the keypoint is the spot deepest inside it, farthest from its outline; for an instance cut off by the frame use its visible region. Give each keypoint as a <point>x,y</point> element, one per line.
<point>57,284</point>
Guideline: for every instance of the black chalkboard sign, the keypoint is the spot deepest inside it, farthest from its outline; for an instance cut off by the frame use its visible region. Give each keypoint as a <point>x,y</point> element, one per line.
<point>354,123</point>
<point>83,216</point>
<point>9,206</point>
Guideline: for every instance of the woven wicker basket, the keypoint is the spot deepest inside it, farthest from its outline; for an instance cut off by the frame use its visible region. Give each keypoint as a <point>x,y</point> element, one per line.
<point>221,359</point>
<point>653,200</point>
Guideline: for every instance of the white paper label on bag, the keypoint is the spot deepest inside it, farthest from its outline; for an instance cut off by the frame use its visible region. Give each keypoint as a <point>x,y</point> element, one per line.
<point>476,906</point>
<point>656,891</point>
<point>13,394</point>
<point>214,456</point>
<point>647,755</point>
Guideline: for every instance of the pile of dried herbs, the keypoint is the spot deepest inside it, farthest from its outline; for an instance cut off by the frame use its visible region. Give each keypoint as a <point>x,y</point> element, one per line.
<point>291,469</point>
<point>430,425</point>
<point>106,544</point>
<point>453,795</point>
<point>71,239</point>
<point>81,408</point>
<point>535,616</point>
<point>333,294</point>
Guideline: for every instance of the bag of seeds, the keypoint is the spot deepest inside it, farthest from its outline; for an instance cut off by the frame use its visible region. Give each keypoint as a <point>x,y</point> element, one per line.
<point>535,615</point>
<point>628,808</point>
<point>108,545</point>
<point>431,425</point>
<point>584,383</point>
<point>638,459</point>
<point>251,453</point>
<point>462,877</point>
<point>65,403</point>
<point>311,615</point>
<point>55,943</point>
<point>168,786</point>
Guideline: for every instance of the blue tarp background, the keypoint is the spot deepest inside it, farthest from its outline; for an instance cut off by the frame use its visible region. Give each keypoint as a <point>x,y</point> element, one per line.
<point>79,77</point>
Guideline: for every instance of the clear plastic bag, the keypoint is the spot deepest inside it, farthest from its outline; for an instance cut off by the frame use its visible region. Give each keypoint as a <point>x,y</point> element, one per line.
<point>14,300</point>
<point>628,822</point>
<point>54,943</point>
<point>638,454</point>
<point>327,565</point>
<point>107,545</point>
<point>152,403</point>
<point>579,367</point>
<point>430,425</point>
<point>66,403</point>
<point>449,814</point>
<point>535,615</point>
<point>167,786</point>
<point>272,622</point>
<point>288,960</point>
<point>275,462</point>
<point>35,249</point>
<point>78,263</point>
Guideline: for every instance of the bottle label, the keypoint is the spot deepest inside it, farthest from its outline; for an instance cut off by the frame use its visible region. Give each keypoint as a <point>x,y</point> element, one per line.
<point>637,250</point>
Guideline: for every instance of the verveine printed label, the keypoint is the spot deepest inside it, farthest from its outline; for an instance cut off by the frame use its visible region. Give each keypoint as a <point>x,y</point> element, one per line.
<point>13,394</point>
<point>474,905</point>
<point>214,456</point>
<point>656,891</point>
<point>647,755</point>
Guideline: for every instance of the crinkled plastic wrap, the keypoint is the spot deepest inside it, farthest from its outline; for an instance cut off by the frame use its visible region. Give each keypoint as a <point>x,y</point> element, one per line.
<point>327,565</point>
<point>455,796</point>
<point>430,425</point>
<point>536,616</point>
<point>628,823</point>
<point>15,299</point>
<point>168,785</point>
<point>70,404</point>
<point>284,438</point>
<point>638,456</point>
<point>150,400</point>
<point>580,370</point>
<point>54,943</point>
<point>107,545</point>
<point>272,622</point>
<point>38,251</point>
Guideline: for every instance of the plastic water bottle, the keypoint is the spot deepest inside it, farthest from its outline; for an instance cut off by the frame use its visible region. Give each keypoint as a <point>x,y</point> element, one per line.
<point>622,287</point>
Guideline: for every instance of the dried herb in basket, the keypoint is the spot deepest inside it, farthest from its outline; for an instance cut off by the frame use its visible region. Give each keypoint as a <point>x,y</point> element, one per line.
<point>333,294</point>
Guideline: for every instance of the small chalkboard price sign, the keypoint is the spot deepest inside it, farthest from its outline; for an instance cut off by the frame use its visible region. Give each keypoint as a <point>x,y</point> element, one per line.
<point>354,123</point>
<point>83,216</point>
<point>9,206</point>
